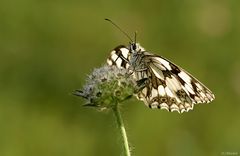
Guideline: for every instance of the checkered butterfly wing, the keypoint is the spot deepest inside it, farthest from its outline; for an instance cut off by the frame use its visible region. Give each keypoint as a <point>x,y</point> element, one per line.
<point>166,85</point>
<point>120,57</point>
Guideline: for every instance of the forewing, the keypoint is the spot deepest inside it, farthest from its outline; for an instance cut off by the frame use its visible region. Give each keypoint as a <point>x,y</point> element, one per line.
<point>170,87</point>
<point>119,57</point>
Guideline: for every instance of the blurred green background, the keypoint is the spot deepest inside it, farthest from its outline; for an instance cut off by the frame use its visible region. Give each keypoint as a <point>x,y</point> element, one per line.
<point>48,47</point>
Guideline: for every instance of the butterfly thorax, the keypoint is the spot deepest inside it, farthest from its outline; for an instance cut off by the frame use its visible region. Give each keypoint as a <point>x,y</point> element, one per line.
<point>137,57</point>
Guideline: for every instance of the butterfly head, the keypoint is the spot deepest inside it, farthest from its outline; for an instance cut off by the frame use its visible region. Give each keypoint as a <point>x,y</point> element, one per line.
<point>135,47</point>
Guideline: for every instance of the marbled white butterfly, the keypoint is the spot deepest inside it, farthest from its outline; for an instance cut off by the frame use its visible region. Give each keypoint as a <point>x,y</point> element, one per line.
<point>165,85</point>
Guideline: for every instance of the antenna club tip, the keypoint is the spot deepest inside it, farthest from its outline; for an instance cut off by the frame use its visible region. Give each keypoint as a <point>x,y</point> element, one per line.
<point>107,19</point>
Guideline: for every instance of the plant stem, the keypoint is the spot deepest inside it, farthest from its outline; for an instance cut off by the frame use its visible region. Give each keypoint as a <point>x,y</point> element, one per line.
<point>120,124</point>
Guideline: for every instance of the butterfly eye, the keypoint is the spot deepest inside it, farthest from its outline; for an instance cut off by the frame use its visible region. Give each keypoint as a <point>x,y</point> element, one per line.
<point>134,46</point>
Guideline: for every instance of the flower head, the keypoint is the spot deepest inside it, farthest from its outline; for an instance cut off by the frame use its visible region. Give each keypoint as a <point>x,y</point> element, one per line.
<point>107,86</point>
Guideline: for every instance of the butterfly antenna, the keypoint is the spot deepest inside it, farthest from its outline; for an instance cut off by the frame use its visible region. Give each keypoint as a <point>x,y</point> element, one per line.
<point>135,37</point>
<point>119,29</point>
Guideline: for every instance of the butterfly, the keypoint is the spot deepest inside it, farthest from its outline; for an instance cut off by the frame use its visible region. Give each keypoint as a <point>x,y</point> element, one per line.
<point>164,84</point>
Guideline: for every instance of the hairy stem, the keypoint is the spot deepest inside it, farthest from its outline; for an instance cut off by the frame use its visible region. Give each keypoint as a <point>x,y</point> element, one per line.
<point>121,127</point>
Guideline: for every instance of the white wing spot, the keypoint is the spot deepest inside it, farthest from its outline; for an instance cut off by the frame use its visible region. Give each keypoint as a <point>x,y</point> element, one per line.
<point>173,83</point>
<point>154,92</point>
<point>125,52</point>
<point>113,52</point>
<point>114,56</point>
<point>158,73</point>
<point>185,77</point>
<point>119,62</point>
<point>109,62</point>
<point>161,90</point>
<point>168,91</point>
<point>164,62</point>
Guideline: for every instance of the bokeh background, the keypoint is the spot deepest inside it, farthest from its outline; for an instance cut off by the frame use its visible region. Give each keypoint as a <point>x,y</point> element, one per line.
<point>48,47</point>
